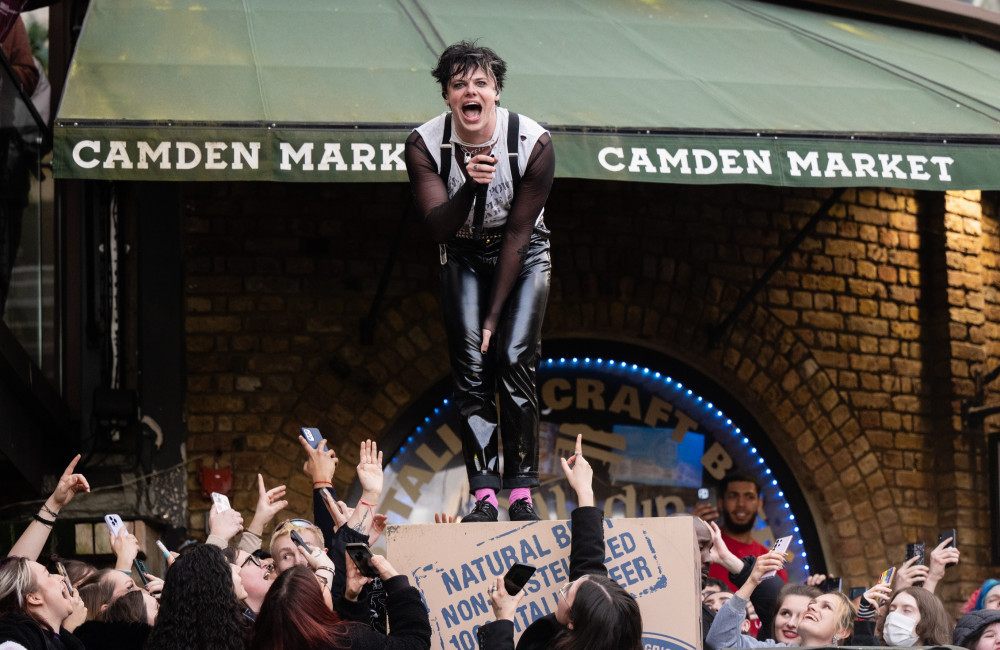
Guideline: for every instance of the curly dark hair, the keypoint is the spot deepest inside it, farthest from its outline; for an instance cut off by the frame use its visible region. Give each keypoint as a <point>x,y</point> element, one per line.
<point>464,57</point>
<point>605,617</point>
<point>198,606</point>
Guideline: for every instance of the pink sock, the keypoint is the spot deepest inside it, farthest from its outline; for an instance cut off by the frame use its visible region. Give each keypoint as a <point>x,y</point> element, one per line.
<point>520,493</point>
<point>489,495</point>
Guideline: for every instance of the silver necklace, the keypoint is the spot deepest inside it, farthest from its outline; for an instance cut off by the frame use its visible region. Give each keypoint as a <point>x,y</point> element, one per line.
<point>469,153</point>
<point>470,149</point>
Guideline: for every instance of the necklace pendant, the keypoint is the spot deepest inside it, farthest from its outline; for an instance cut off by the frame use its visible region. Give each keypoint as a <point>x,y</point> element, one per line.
<point>468,157</point>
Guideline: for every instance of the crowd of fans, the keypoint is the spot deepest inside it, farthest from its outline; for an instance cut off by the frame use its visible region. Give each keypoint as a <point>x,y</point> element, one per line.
<point>304,591</point>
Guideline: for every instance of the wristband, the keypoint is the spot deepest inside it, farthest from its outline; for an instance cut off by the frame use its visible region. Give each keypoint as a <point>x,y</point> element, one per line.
<point>128,573</point>
<point>324,568</point>
<point>315,483</point>
<point>370,505</point>
<point>55,515</point>
<point>42,520</point>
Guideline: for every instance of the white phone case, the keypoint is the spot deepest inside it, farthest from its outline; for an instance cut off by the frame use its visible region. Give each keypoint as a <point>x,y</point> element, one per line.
<point>115,523</point>
<point>221,502</point>
<point>781,545</point>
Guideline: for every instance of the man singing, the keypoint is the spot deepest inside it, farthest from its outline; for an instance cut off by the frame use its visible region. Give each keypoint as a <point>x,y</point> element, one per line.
<point>480,176</point>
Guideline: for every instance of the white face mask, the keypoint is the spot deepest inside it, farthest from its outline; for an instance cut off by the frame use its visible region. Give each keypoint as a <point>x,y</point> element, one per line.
<point>898,630</point>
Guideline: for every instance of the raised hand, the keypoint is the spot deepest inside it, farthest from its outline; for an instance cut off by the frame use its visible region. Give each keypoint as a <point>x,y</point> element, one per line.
<point>910,574</point>
<point>770,561</point>
<point>370,469</point>
<point>940,558</point>
<point>69,484</point>
<point>878,594</point>
<point>339,510</point>
<point>321,463</point>
<point>580,474</point>
<point>226,524</point>
<point>269,503</point>
<point>705,511</point>
<point>720,553</point>
<point>125,546</point>
<point>443,518</point>
<point>317,558</point>
<point>504,605</point>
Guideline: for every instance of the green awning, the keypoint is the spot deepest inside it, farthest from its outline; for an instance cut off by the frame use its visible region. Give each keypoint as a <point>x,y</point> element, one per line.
<point>676,91</point>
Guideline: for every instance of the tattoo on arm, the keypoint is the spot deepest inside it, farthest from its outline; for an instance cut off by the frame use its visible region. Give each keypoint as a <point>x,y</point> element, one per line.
<point>360,526</point>
<point>522,253</point>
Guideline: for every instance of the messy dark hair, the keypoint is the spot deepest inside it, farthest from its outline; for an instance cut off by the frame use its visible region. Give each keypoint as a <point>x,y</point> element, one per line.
<point>461,58</point>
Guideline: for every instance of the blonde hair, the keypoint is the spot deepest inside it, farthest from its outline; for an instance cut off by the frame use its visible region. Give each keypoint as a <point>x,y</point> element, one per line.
<point>16,582</point>
<point>845,616</point>
<point>283,529</point>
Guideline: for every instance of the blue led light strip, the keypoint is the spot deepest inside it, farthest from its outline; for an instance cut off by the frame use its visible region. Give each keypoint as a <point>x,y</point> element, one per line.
<point>779,512</point>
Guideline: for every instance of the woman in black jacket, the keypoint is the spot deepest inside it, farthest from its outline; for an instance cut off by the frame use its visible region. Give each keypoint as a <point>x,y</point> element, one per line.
<point>594,611</point>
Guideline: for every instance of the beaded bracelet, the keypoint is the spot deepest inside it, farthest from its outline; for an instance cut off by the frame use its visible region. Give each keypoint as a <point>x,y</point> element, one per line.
<point>55,515</point>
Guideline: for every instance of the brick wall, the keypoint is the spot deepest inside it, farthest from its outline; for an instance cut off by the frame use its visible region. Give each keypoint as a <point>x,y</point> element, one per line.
<point>855,357</point>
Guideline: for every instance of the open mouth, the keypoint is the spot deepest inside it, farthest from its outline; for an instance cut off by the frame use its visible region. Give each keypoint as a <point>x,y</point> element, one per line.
<point>472,111</point>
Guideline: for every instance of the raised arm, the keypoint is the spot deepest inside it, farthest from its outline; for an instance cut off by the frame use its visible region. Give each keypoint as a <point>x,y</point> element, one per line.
<point>32,540</point>
<point>269,503</point>
<point>370,476</point>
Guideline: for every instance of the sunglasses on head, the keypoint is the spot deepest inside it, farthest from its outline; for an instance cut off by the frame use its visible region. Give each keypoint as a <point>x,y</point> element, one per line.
<point>288,524</point>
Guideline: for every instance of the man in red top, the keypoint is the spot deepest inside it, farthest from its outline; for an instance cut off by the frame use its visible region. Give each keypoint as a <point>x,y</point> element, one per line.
<point>740,500</point>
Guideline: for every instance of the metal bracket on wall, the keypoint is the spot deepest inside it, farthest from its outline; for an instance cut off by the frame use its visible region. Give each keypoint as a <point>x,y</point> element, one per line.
<point>974,411</point>
<point>716,333</point>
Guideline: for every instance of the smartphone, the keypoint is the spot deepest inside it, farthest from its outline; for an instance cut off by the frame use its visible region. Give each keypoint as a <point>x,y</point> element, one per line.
<point>781,545</point>
<point>856,592</point>
<point>65,576</point>
<point>885,579</point>
<point>301,542</point>
<point>221,502</point>
<point>141,568</point>
<point>115,523</point>
<point>831,585</point>
<point>163,549</point>
<point>953,534</point>
<point>312,436</point>
<point>516,577</point>
<point>362,557</point>
<point>916,549</point>
<point>706,495</point>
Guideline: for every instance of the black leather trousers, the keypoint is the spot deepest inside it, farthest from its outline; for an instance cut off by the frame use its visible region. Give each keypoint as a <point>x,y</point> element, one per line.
<point>505,375</point>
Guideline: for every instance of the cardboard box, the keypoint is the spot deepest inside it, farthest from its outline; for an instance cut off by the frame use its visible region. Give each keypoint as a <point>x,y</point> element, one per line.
<point>655,559</point>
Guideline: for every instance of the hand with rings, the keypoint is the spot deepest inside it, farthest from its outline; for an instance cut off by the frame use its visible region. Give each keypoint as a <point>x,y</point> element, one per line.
<point>481,168</point>
<point>504,605</point>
